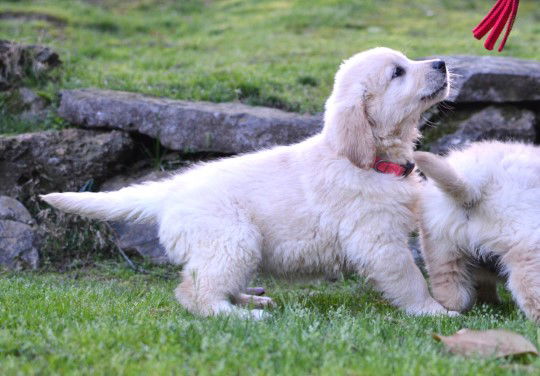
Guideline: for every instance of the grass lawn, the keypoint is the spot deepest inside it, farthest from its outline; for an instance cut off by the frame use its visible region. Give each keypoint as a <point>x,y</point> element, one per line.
<point>108,320</point>
<point>266,52</point>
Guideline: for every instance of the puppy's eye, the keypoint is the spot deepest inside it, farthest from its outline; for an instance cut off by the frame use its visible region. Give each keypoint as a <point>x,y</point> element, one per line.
<point>398,72</point>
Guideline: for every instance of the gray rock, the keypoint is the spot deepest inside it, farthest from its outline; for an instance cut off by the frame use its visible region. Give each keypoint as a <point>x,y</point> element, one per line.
<point>60,160</point>
<point>139,175</point>
<point>188,126</point>
<point>18,61</point>
<point>491,123</point>
<point>140,238</point>
<point>13,210</point>
<point>493,79</point>
<point>137,237</point>
<point>19,242</point>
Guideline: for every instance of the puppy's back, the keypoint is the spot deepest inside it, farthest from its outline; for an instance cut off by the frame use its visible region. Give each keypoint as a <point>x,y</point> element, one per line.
<point>504,176</point>
<point>504,169</point>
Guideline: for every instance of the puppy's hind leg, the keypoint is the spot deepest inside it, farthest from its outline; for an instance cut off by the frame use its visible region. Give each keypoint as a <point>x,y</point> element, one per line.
<point>523,266</point>
<point>198,295</point>
<point>449,272</point>
<point>220,266</point>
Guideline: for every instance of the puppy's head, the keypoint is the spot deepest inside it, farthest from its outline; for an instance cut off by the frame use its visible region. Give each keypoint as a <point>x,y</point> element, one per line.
<point>377,101</point>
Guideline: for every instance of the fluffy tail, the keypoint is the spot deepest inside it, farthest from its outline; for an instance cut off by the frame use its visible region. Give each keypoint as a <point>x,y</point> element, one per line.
<point>139,203</point>
<point>446,178</point>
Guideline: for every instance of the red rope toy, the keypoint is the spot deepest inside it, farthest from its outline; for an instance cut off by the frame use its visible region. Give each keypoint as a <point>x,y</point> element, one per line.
<point>503,11</point>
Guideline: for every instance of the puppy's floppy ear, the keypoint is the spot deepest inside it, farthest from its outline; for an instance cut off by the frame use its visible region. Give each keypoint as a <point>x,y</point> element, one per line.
<point>355,139</point>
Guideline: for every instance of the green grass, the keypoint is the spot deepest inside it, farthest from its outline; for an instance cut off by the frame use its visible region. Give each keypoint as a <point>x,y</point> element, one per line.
<point>108,320</point>
<point>266,52</point>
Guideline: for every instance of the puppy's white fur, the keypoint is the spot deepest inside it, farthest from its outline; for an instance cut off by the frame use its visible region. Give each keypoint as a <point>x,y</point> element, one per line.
<point>309,208</point>
<point>479,202</point>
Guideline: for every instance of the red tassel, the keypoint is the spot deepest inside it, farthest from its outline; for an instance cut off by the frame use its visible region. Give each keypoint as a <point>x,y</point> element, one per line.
<point>515,5</point>
<point>489,20</point>
<point>502,12</point>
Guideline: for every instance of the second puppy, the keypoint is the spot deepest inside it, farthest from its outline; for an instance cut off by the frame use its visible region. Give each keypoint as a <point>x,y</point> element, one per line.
<point>479,203</point>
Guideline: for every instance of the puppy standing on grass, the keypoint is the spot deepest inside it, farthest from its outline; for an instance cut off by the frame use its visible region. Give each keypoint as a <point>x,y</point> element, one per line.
<point>480,202</point>
<point>310,208</point>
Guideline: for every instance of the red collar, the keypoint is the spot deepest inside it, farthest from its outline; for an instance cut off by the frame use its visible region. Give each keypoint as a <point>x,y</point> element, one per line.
<point>385,167</point>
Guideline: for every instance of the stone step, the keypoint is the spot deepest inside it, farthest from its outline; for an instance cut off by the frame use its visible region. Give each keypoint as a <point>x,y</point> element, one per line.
<point>19,242</point>
<point>185,126</point>
<point>63,160</point>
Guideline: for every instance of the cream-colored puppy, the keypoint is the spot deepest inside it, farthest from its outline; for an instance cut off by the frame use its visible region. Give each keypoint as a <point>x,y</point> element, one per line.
<point>482,202</point>
<point>310,208</point>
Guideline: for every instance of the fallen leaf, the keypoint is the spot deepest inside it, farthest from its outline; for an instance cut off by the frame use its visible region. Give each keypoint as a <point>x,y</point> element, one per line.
<point>497,342</point>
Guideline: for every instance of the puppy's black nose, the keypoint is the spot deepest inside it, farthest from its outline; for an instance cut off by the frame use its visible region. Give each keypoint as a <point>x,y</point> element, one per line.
<point>439,65</point>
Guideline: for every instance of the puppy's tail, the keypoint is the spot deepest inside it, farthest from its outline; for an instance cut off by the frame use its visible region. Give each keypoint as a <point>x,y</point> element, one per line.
<point>446,177</point>
<point>139,203</point>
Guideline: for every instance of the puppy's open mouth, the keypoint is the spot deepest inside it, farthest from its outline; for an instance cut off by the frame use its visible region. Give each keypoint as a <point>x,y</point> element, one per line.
<point>435,93</point>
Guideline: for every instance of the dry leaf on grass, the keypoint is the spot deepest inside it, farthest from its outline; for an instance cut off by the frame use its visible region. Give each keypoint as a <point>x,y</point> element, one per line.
<point>497,343</point>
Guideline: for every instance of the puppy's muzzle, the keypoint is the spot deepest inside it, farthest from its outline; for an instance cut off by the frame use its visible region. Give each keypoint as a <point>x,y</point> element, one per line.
<point>439,65</point>
<point>437,80</point>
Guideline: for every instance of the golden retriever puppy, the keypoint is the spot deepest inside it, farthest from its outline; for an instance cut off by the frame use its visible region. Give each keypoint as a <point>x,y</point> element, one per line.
<point>341,200</point>
<point>482,203</point>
